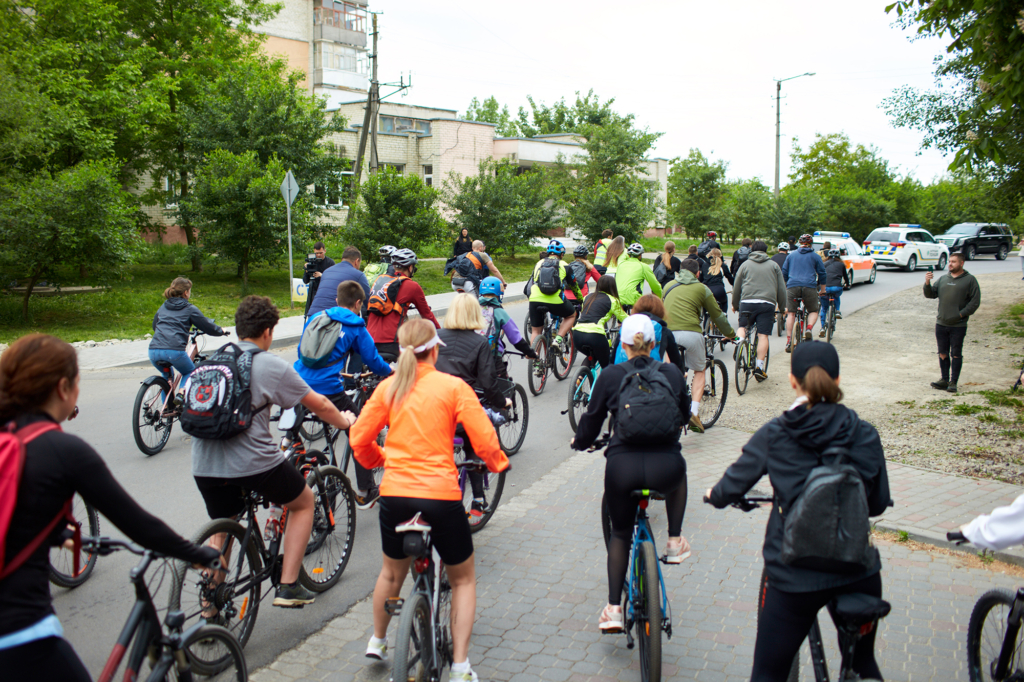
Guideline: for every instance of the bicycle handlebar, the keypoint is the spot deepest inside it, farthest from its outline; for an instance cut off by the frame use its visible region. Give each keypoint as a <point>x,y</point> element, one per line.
<point>957,537</point>
<point>105,546</point>
<point>747,504</point>
<point>361,375</point>
<point>480,466</point>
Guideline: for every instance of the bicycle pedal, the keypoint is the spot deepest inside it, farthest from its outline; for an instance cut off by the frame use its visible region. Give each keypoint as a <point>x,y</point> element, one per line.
<point>393,606</point>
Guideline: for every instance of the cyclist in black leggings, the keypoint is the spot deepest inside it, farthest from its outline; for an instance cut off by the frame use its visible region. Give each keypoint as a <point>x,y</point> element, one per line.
<point>657,466</point>
<point>597,309</point>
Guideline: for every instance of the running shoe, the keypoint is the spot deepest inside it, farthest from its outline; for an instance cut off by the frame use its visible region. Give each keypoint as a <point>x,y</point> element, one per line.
<point>464,676</point>
<point>377,651</point>
<point>610,622</point>
<point>293,596</point>
<point>367,501</point>
<point>789,346</point>
<point>695,424</point>
<point>477,509</point>
<point>808,336</point>
<point>839,315</point>
<point>676,554</point>
<point>821,334</point>
<point>759,374</point>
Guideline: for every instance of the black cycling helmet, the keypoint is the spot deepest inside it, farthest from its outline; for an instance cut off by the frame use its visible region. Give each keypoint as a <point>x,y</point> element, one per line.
<point>806,239</point>
<point>403,258</point>
<point>580,251</point>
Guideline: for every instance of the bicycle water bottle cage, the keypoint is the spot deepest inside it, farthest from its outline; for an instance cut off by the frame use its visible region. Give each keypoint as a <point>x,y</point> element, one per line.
<point>417,534</point>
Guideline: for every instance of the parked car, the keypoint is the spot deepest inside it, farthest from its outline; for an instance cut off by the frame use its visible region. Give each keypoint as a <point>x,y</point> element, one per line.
<point>975,238</point>
<point>860,266</point>
<point>906,246</point>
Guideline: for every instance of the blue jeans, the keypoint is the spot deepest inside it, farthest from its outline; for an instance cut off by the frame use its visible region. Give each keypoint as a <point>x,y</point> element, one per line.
<point>836,292</point>
<point>178,359</point>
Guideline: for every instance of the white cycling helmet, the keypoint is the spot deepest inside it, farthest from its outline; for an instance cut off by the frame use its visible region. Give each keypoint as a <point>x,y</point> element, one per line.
<point>783,246</point>
<point>403,258</point>
<point>635,249</point>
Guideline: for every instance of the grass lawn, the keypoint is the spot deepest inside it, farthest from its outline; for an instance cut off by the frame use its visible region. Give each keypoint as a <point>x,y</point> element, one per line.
<point>1012,323</point>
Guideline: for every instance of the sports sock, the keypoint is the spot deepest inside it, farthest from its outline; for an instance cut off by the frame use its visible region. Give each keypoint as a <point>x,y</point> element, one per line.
<point>694,406</point>
<point>377,642</point>
<point>461,667</point>
<point>944,368</point>
<point>760,364</point>
<point>361,493</point>
<point>954,375</point>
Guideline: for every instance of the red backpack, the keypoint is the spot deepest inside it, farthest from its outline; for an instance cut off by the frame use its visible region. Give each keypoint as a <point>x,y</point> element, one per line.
<point>12,461</point>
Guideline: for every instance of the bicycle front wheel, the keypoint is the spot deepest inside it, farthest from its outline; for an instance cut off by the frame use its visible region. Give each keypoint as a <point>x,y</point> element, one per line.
<point>512,433</point>
<point>579,395</point>
<point>986,633</point>
<point>334,529</point>
<point>214,643</point>
<point>830,322</point>
<point>743,367</point>
<point>230,597</point>
<point>150,428</point>
<point>414,643</point>
<point>564,358</point>
<point>647,612</point>
<point>539,368</point>
<point>62,558</point>
<point>716,390</point>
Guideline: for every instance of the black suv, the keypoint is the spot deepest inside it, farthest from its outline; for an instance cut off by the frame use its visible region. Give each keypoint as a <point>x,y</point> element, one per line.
<point>972,239</point>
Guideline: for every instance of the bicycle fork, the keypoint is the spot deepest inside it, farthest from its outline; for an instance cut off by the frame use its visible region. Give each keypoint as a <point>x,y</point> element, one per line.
<point>1010,638</point>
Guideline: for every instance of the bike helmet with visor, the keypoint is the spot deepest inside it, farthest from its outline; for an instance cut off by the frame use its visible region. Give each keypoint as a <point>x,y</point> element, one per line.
<point>385,253</point>
<point>403,258</point>
<point>806,239</point>
<point>834,253</point>
<point>580,251</point>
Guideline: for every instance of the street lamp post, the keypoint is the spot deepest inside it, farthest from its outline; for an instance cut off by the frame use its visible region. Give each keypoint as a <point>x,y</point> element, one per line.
<point>778,124</point>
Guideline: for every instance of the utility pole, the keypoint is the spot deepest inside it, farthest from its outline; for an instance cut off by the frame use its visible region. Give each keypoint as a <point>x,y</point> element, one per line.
<point>778,125</point>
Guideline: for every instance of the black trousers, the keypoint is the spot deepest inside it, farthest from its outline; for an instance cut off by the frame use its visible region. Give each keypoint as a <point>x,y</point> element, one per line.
<point>45,660</point>
<point>786,619</point>
<point>596,345</point>
<point>950,340</point>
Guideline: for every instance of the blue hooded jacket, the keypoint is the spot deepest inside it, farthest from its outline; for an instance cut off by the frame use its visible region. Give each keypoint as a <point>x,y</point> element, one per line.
<point>803,268</point>
<point>353,336</point>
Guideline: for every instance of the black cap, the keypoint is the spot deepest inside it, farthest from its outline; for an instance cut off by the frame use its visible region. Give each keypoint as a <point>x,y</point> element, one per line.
<point>814,354</point>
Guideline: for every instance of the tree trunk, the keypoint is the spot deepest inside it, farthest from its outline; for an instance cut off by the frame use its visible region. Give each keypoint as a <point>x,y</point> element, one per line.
<point>82,271</point>
<point>186,226</point>
<point>245,274</point>
<point>28,292</point>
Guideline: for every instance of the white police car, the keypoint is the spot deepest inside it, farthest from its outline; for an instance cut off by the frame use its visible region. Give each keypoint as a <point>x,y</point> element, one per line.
<point>906,246</point>
<point>859,265</point>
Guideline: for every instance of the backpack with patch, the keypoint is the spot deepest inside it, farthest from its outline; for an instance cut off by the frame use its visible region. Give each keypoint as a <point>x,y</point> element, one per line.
<point>489,331</point>
<point>12,463</point>
<point>648,411</point>
<point>383,298</point>
<point>468,265</point>
<point>705,248</point>
<point>218,397</point>
<point>549,276</point>
<point>579,272</point>
<point>827,526</point>
<point>318,341</point>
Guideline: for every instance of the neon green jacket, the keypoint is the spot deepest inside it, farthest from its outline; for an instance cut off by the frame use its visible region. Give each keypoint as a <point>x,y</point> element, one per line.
<point>630,277</point>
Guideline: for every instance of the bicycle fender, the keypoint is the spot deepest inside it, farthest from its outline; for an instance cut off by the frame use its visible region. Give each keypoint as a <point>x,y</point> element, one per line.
<point>156,379</point>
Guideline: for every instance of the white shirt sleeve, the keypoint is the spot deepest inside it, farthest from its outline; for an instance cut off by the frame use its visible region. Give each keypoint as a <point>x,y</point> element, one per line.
<point>1004,527</point>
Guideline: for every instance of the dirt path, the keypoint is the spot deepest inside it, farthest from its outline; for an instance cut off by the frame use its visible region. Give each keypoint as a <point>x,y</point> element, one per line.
<point>888,359</point>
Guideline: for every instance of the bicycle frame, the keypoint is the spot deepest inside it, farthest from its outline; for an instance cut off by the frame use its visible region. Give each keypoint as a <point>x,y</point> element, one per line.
<point>642,533</point>
<point>192,348</point>
<point>1009,647</point>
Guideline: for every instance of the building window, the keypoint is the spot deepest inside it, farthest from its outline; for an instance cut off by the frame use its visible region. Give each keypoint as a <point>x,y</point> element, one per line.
<point>340,58</point>
<point>336,193</point>
<point>398,124</point>
<point>428,175</point>
<point>170,192</point>
<point>340,15</point>
<point>397,167</point>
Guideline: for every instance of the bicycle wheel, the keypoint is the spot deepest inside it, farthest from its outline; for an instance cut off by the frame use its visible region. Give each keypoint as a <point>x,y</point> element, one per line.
<point>780,323</point>
<point>62,558</point>
<point>830,322</point>
<point>334,529</point>
<point>716,390</point>
<point>794,670</point>
<point>445,654</point>
<point>414,642</point>
<point>564,358</point>
<point>311,430</point>
<point>150,429</point>
<point>986,633</point>
<point>213,643</point>
<point>579,395</point>
<point>647,612</point>
<point>235,601</point>
<point>512,433</point>
<point>538,375</point>
<point>493,484</point>
<point>743,367</point>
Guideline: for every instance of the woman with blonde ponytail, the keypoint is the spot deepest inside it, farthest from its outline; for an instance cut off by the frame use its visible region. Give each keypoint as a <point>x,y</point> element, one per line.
<point>421,407</point>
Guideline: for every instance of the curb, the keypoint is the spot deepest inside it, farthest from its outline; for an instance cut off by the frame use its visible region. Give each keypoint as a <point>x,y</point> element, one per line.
<point>943,543</point>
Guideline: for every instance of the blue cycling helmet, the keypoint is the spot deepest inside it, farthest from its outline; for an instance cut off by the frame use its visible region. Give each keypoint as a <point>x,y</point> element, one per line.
<point>556,247</point>
<point>490,286</point>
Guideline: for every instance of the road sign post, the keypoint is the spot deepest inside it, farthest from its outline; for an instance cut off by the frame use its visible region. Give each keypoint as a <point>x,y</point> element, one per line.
<point>289,190</point>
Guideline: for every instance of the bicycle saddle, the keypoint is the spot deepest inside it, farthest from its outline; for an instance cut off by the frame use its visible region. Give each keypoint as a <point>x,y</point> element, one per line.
<point>416,525</point>
<point>641,494</point>
<point>162,365</point>
<point>858,609</point>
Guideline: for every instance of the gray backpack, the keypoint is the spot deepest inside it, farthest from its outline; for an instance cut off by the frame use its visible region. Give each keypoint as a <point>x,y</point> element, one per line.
<point>318,341</point>
<point>827,527</point>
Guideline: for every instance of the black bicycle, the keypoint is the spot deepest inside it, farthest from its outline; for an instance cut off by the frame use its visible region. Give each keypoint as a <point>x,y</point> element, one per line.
<point>62,557</point>
<point>202,652</point>
<point>557,361</point>
<point>716,383</point>
<point>830,317</point>
<point>746,358</point>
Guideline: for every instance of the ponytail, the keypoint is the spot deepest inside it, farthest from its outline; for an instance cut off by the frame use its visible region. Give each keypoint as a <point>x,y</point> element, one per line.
<point>819,387</point>
<point>178,288</point>
<point>412,334</point>
<point>666,258</point>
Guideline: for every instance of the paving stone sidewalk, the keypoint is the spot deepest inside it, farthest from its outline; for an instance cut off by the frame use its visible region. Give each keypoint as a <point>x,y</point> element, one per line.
<point>542,583</point>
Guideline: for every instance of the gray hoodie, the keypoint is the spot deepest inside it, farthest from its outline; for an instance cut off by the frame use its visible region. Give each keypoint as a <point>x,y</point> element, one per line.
<point>173,321</point>
<point>758,278</point>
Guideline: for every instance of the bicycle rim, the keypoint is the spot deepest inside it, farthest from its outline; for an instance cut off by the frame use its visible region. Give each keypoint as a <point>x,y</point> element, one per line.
<point>742,368</point>
<point>334,528</point>
<point>62,559</point>
<point>538,375</point>
<point>986,633</point>
<point>444,619</point>
<point>414,642</point>
<point>647,610</point>
<point>512,433</point>
<point>565,358</point>
<point>831,323</point>
<point>213,642</point>
<point>579,396</point>
<point>151,431</point>
<point>716,390</point>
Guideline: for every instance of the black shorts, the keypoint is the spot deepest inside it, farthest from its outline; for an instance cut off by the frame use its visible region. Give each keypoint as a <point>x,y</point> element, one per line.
<point>225,497</point>
<point>761,314</point>
<point>538,308</point>
<point>449,527</point>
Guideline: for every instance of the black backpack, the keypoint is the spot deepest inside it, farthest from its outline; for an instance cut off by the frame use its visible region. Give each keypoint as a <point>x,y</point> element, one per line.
<point>648,411</point>
<point>218,399</point>
<point>661,273</point>
<point>705,248</point>
<point>579,272</point>
<point>549,276</point>
<point>827,526</point>
<point>468,265</point>
<point>740,257</point>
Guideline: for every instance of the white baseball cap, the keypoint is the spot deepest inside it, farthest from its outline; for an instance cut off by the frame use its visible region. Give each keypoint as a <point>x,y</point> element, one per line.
<point>637,324</point>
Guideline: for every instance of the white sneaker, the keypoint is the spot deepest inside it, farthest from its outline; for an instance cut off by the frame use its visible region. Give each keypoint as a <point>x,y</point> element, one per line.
<point>465,676</point>
<point>610,622</point>
<point>377,651</point>
<point>676,554</point>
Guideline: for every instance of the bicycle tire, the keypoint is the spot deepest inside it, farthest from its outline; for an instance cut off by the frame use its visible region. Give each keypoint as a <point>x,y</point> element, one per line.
<point>743,367</point>
<point>830,322</point>
<point>579,395</point>
<point>230,665</point>
<point>565,358</point>
<point>62,561</point>
<point>444,642</point>
<point>716,391</point>
<point>780,320</point>
<point>190,585</point>
<point>985,636</point>
<point>647,611</point>
<point>414,641</point>
<point>537,377</point>
<point>512,433</point>
<point>146,421</point>
<point>493,484</point>
<point>334,529</point>
<point>315,431</point>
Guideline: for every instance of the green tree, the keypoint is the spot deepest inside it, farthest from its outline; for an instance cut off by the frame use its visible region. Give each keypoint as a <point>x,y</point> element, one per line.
<point>490,111</point>
<point>624,204</point>
<point>798,210</point>
<point>832,160</point>
<point>394,209</point>
<point>501,206</point>
<point>587,110</point>
<point>695,188</point>
<point>745,209</point>
<point>80,215</point>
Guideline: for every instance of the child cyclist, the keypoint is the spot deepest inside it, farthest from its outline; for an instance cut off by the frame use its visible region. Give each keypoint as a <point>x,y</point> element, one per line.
<point>499,323</point>
<point>836,279</point>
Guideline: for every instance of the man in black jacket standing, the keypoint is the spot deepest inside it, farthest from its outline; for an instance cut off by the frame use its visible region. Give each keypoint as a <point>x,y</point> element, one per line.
<point>311,275</point>
<point>959,297</point>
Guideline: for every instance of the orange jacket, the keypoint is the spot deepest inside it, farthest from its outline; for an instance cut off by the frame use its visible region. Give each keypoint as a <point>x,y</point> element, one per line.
<point>417,454</point>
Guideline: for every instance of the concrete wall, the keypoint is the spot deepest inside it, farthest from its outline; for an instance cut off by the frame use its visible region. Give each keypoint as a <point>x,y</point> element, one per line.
<point>296,52</point>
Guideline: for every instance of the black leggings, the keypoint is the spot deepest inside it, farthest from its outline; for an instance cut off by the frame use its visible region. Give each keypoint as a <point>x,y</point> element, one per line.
<point>44,660</point>
<point>596,345</point>
<point>718,291</point>
<point>624,473</point>
<point>786,619</point>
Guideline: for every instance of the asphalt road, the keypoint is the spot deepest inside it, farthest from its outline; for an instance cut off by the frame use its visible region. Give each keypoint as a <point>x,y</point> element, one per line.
<point>93,614</point>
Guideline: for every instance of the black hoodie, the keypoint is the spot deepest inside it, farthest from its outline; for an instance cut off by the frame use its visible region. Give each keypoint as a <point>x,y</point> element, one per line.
<point>173,321</point>
<point>786,448</point>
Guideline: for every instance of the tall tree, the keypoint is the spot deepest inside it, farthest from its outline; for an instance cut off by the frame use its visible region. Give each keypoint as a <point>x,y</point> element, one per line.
<point>490,111</point>
<point>695,187</point>
<point>832,160</point>
<point>394,209</point>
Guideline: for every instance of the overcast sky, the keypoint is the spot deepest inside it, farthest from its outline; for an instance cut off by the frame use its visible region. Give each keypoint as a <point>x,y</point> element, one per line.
<point>699,72</point>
